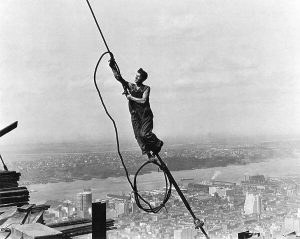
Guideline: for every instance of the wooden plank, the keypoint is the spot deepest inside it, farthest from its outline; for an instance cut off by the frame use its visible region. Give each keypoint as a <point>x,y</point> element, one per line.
<point>26,207</point>
<point>8,128</point>
<point>35,230</point>
<point>5,209</point>
<point>16,193</point>
<point>14,204</point>
<point>8,172</point>
<point>35,217</point>
<point>13,188</point>
<point>8,213</point>
<point>16,218</point>
<point>4,200</point>
<point>11,195</point>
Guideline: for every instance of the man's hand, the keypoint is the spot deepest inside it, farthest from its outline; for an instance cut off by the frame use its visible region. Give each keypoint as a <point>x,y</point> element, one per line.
<point>129,97</point>
<point>112,63</point>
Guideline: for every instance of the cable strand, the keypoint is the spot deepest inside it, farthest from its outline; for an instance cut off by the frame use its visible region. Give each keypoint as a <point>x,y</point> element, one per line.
<point>99,29</point>
<point>168,176</point>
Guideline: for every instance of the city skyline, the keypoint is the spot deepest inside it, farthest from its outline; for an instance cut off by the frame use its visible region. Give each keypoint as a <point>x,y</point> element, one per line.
<point>218,67</point>
<point>264,206</point>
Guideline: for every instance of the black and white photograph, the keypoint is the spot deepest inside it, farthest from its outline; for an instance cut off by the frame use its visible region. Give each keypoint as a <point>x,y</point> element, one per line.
<point>148,119</point>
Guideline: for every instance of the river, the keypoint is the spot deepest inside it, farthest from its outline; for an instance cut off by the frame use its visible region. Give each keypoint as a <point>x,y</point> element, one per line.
<point>39,193</point>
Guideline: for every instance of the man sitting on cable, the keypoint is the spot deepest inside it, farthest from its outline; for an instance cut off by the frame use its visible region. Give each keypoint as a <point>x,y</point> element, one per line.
<point>141,113</point>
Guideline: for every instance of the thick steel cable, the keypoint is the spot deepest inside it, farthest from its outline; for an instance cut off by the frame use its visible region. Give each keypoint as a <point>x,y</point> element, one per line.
<point>168,176</point>
<point>99,29</point>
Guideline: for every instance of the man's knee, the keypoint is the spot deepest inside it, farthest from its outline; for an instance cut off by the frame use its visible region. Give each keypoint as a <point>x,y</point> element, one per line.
<point>145,135</point>
<point>137,135</point>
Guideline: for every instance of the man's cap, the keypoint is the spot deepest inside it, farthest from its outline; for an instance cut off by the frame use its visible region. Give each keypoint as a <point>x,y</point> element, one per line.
<point>143,73</point>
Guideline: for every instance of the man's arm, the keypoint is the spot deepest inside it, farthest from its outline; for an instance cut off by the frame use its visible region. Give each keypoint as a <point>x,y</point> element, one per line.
<point>142,100</point>
<point>117,74</point>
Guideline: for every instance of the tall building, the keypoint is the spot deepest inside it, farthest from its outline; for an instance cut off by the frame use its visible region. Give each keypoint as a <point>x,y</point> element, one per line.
<point>257,179</point>
<point>84,204</point>
<point>127,208</point>
<point>253,204</point>
<point>298,213</point>
<point>120,208</point>
<point>134,208</point>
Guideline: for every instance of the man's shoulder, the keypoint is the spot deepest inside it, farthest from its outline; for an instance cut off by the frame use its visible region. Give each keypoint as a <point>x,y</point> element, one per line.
<point>131,84</point>
<point>146,87</point>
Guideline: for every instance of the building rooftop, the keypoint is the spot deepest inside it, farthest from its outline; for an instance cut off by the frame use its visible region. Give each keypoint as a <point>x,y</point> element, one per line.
<point>19,218</point>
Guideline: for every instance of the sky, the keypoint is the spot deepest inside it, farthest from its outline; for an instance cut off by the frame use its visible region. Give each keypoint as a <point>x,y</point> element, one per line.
<point>227,67</point>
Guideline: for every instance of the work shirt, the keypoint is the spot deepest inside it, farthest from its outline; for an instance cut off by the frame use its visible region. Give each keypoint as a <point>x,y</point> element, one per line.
<point>139,109</point>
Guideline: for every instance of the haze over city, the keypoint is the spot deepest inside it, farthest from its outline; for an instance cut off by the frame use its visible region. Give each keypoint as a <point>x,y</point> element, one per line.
<point>215,67</point>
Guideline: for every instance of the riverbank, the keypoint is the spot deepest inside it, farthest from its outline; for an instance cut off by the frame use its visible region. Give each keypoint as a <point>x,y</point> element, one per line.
<point>101,187</point>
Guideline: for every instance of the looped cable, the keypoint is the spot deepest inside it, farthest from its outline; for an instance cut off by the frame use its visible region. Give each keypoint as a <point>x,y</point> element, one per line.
<point>139,198</point>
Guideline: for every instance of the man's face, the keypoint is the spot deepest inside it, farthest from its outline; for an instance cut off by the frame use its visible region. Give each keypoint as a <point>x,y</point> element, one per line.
<point>138,78</point>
